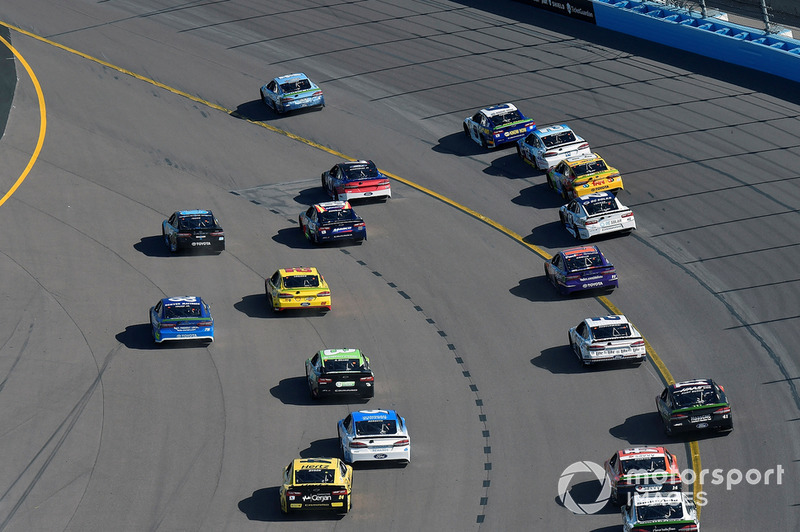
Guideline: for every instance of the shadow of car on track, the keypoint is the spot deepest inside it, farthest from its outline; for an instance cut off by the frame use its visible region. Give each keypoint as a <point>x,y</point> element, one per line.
<point>585,495</point>
<point>607,528</point>
<point>294,391</point>
<point>324,448</point>
<point>255,306</point>
<point>140,336</point>
<point>292,237</point>
<point>539,197</point>
<point>458,144</point>
<point>510,166</point>
<point>264,505</point>
<point>559,359</point>
<point>539,289</point>
<point>550,235</point>
<point>648,428</point>
<point>254,110</point>
<point>152,246</point>
<point>310,196</point>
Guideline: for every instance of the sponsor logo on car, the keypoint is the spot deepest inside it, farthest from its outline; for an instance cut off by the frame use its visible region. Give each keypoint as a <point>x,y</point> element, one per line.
<point>317,497</point>
<point>201,243</point>
<point>591,285</point>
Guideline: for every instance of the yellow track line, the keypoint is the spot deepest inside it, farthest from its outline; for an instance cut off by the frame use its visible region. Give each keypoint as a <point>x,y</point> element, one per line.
<point>662,368</point>
<point>42,122</point>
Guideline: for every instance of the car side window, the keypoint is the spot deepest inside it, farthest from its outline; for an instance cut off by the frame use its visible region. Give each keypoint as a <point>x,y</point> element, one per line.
<point>315,360</point>
<point>271,86</point>
<point>613,461</point>
<point>477,118</point>
<point>157,308</point>
<point>581,329</point>
<point>276,279</point>
<point>557,261</point>
<point>348,422</point>
<point>310,212</point>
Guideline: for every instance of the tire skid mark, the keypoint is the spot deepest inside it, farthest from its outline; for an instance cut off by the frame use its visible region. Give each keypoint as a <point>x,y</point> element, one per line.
<point>458,359</point>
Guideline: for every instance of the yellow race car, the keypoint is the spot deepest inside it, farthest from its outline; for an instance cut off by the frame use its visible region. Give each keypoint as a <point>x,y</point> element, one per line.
<point>581,175</point>
<point>301,288</point>
<point>316,484</point>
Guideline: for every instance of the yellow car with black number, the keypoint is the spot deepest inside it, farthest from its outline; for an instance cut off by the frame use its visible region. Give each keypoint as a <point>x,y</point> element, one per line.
<point>581,175</point>
<point>297,288</point>
<point>316,484</point>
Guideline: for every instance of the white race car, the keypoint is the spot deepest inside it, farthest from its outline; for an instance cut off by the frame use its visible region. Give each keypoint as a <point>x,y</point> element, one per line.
<point>547,146</point>
<point>670,512</point>
<point>596,214</point>
<point>606,339</point>
<point>374,435</point>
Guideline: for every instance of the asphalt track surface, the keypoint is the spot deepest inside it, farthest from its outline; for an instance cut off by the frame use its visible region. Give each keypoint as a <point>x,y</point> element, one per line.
<point>99,430</point>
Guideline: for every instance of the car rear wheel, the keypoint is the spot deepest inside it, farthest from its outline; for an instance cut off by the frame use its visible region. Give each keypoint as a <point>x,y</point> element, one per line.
<point>484,144</point>
<point>550,183</point>
<point>173,245</point>
<point>519,152</point>
<point>466,131</point>
<point>271,303</point>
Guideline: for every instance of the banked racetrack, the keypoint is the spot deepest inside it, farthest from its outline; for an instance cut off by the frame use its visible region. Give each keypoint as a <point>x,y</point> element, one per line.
<point>152,107</point>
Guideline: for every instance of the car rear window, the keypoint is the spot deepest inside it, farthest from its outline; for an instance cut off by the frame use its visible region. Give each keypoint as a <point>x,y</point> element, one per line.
<point>591,167</point>
<point>609,332</point>
<point>644,465</point>
<point>350,364</point>
<point>343,215</point>
<point>557,139</point>
<point>658,512</point>
<point>376,427</point>
<point>182,311</point>
<point>294,86</point>
<point>301,281</point>
<point>314,476</point>
<point>600,206</point>
<point>203,221</point>
<point>584,262</point>
<point>695,396</point>
<point>360,171</point>
<point>505,118</point>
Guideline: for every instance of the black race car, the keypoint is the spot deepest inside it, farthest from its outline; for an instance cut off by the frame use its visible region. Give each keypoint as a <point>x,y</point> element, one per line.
<point>699,404</point>
<point>196,230</point>
<point>340,372</point>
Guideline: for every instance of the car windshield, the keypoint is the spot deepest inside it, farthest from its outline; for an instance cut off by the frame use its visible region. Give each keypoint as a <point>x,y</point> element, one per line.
<point>182,311</point>
<point>360,171</point>
<point>301,281</point>
<point>557,139</point>
<point>695,396</point>
<point>343,215</point>
<point>202,221</point>
<point>341,364</point>
<point>591,167</point>
<point>505,118</point>
<point>609,332</point>
<point>644,465</point>
<point>294,86</point>
<point>584,262</point>
<point>376,427</point>
<point>314,476</point>
<point>659,512</point>
<point>600,206</point>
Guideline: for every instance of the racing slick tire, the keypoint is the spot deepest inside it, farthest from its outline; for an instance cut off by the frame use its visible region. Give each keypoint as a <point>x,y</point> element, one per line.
<point>341,451</point>
<point>271,303</point>
<point>563,221</point>
<point>313,393</point>
<point>550,183</point>
<point>519,153</point>
<point>483,142</point>
<point>667,428</point>
<point>466,131</point>
<point>173,245</point>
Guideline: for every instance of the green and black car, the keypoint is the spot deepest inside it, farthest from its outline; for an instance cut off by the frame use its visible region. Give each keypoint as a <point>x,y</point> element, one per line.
<point>340,372</point>
<point>699,404</point>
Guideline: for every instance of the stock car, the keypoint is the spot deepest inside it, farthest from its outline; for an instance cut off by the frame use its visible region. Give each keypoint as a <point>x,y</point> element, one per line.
<point>291,92</point>
<point>580,268</point>
<point>581,175</point>
<point>356,180</point>
<point>605,339</point>
<point>316,484</point>
<point>641,470</point>
<point>545,147</point>
<point>340,372</point>
<point>332,220</point>
<point>193,229</point>
<point>498,124</point>
<point>181,318</point>
<point>661,512</point>
<point>596,214</point>
<point>374,435</point>
<point>297,288</point>
<point>698,404</point>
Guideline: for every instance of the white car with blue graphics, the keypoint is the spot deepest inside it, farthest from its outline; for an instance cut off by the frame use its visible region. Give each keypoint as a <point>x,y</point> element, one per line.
<point>547,146</point>
<point>596,214</point>
<point>606,339</point>
<point>375,436</point>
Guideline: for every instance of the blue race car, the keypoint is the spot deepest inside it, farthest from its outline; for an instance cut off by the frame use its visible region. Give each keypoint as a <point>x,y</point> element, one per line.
<point>332,220</point>
<point>181,318</point>
<point>291,92</point>
<point>196,229</point>
<point>580,268</point>
<point>498,124</point>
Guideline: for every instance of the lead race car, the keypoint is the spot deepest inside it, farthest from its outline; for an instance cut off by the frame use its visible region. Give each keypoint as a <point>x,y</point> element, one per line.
<point>497,125</point>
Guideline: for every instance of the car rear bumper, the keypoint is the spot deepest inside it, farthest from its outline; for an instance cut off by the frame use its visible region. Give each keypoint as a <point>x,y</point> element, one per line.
<point>366,194</point>
<point>312,101</point>
<point>318,303</point>
<point>714,424</point>
<point>588,285</point>
<point>401,454</point>
<point>364,389</point>
<point>597,229</point>
<point>168,335</point>
<point>208,243</point>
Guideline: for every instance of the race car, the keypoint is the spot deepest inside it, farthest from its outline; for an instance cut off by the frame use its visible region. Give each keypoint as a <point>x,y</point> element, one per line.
<point>545,147</point>
<point>596,214</point>
<point>340,372</point>
<point>374,435</point>
<point>641,470</point>
<point>293,288</point>
<point>580,268</point>
<point>291,92</point>
<point>356,180</point>
<point>194,229</point>
<point>581,175</point>
<point>332,220</point>
<point>316,484</point>
<point>497,125</point>
<point>699,404</point>
<point>606,339</point>
<point>181,318</point>
<point>662,512</point>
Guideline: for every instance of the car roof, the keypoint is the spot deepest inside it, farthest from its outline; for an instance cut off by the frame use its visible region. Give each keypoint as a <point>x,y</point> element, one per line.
<point>374,415</point>
<point>594,197</point>
<point>338,354</point>
<point>499,109</point>
<point>580,159</point>
<point>357,164</point>
<point>298,270</point>
<point>642,452</point>
<point>600,321</point>
<point>550,130</point>
<point>180,301</point>
<point>314,463</point>
<point>703,383</point>
<point>291,77</point>
<point>580,251</point>
<point>654,498</point>
<point>193,212</point>
<point>332,206</point>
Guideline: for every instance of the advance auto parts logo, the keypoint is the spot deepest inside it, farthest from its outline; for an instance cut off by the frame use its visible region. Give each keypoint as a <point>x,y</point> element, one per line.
<point>564,488</point>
